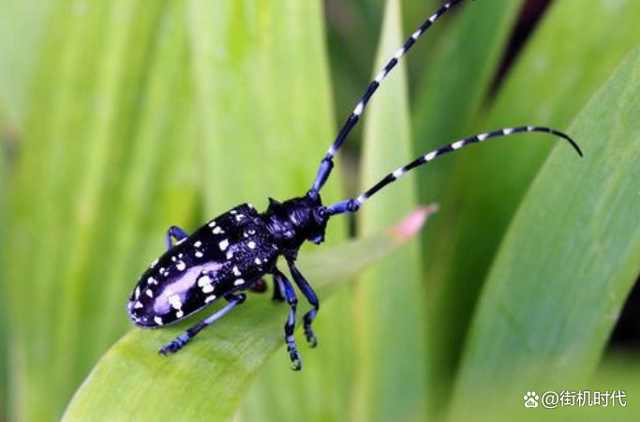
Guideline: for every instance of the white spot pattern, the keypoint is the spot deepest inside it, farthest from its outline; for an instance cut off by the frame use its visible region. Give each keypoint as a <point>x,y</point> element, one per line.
<point>430,156</point>
<point>175,301</point>
<point>224,244</point>
<point>359,109</point>
<point>457,145</point>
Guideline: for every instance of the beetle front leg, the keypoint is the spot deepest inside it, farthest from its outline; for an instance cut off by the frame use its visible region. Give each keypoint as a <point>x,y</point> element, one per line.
<point>176,233</point>
<point>178,343</point>
<point>311,296</point>
<point>290,296</point>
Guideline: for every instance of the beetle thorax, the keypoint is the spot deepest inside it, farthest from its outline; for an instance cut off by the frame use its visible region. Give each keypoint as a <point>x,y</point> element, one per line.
<point>295,221</point>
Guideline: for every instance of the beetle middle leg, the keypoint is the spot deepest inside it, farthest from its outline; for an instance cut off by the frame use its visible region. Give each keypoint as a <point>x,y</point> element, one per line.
<point>290,325</point>
<point>311,296</point>
<point>176,233</point>
<point>278,294</point>
<point>179,342</point>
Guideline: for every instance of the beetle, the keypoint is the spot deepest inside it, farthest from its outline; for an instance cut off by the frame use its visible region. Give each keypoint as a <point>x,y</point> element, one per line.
<point>235,250</point>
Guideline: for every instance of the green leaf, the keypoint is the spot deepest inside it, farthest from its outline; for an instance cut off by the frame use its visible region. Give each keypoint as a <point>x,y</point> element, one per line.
<point>209,377</point>
<point>450,97</point>
<point>568,261</point>
<point>21,30</point>
<point>100,140</point>
<point>265,101</point>
<point>570,55</point>
<point>389,298</point>
<point>261,74</point>
<point>460,73</point>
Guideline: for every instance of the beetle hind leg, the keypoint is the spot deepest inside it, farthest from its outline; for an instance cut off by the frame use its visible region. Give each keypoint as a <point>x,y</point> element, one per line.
<point>180,341</point>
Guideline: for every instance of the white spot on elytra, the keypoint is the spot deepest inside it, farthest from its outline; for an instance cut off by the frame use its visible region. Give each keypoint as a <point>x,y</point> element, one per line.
<point>212,223</point>
<point>197,244</point>
<point>238,282</point>
<point>158,320</point>
<point>229,254</point>
<point>175,301</point>
<point>152,280</point>
<point>204,283</point>
<point>223,245</point>
<point>149,292</point>
<point>181,266</point>
<point>239,217</point>
<point>236,271</point>
<point>173,258</point>
<point>153,264</point>
<point>199,254</point>
<point>137,293</point>
<point>179,314</point>
<point>258,261</point>
<point>251,245</point>
<point>137,305</point>
<point>210,298</point>
<point>218,230</point>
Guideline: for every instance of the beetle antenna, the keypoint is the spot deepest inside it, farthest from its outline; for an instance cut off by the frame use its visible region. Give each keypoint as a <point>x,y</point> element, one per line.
<point>352,205</point>
<point>326,165</point>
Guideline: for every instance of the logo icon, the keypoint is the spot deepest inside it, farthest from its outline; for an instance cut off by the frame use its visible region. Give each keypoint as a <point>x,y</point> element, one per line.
<point>530,399</point>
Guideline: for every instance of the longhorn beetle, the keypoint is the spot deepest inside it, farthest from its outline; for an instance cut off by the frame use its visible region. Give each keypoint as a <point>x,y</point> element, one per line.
<point>234,251</point>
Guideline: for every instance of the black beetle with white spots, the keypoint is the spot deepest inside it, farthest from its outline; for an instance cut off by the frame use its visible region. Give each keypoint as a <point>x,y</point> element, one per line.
<point>232,252</point>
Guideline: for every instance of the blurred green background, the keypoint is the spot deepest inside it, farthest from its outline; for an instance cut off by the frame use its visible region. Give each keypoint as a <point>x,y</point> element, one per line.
<point>119,118</point>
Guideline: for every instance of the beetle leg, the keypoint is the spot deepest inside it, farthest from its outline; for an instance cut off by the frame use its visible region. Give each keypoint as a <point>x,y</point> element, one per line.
<point>311,296</point>
<point>278,295</point>
<point>179,342</point>
<point>176,233</point>
<point>290,325</point>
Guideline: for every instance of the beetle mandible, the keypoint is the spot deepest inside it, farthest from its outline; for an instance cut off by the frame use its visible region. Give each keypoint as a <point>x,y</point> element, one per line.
<point>235,250</point>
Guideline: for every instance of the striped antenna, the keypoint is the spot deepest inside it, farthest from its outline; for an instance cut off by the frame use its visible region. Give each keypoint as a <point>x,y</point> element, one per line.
<point>326,165</point>
<point>352,205</point>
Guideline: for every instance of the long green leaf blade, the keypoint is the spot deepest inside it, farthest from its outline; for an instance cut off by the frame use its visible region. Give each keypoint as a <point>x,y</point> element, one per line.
<point>551,82</point>
<point>567,263</point>
<point>389,309</point>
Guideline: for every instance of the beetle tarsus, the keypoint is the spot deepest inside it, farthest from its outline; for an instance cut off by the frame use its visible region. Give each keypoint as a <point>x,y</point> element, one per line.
<point>296,360</point>
<point>174,345</point>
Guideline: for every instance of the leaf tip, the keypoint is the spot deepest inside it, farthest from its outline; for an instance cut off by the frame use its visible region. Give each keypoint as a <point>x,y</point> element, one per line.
<point>412,223</point>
